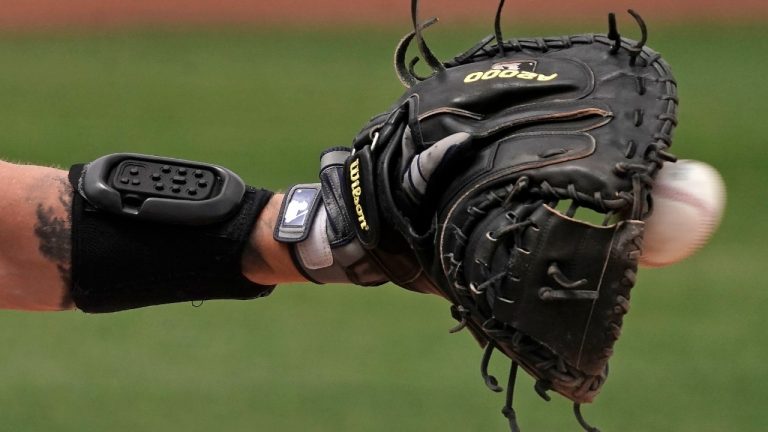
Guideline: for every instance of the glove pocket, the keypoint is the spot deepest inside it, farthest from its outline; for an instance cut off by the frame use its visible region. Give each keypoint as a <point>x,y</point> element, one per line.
<point>568,286</point>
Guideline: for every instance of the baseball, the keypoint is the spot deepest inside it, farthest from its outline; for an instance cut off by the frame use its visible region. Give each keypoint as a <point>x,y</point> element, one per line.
<point>689,199</point>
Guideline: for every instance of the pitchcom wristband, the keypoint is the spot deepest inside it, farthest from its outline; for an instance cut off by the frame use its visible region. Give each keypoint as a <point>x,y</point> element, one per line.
<point>161,189</point>
<point>148,230</point>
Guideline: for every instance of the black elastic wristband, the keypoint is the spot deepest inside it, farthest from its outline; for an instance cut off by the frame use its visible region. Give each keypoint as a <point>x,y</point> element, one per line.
<point>120,263</point>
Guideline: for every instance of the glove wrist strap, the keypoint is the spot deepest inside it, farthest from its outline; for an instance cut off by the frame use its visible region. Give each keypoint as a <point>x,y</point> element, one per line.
<point>306,224</point>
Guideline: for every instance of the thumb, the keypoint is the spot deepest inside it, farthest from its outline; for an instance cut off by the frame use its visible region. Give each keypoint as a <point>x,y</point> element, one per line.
<point>416,177</point>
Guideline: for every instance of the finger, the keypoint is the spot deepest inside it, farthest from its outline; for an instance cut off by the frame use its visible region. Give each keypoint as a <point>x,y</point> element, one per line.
<point>416,178</point>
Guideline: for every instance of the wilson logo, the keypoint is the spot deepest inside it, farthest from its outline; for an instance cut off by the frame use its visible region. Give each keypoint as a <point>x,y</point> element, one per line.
<point>357,192</point>
<point>507,74</point>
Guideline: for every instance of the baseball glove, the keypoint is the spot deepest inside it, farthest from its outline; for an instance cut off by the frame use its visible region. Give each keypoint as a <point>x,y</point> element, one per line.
<point>485,168</point>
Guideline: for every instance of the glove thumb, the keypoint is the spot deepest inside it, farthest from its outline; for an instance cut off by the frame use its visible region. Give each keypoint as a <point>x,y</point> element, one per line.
<point>423,166</point>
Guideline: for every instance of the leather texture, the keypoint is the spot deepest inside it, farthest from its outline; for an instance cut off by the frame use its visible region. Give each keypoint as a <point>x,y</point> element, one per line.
<point>549,127</point>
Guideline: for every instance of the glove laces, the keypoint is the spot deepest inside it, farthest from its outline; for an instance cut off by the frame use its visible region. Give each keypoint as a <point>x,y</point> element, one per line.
<point>541,388</point>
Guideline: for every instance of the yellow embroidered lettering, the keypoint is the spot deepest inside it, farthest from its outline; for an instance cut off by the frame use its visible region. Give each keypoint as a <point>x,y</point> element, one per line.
<point>357,192</point>
<point>473,77</point>
<point>546,77</point>
<point>497,73</point>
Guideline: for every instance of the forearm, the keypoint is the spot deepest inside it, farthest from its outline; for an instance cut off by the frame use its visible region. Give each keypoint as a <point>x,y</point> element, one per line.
<point>35,241</point>
<point>35,246</point>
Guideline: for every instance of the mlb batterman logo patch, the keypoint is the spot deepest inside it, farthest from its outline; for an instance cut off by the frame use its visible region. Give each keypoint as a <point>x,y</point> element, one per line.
<point>520,66</point>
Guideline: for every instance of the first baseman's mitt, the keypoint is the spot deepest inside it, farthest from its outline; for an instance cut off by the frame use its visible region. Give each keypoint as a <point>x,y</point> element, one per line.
<point>472,167</point>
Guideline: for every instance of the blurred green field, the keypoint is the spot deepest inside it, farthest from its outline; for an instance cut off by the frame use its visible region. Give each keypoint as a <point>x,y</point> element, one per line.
<point>334,358</point>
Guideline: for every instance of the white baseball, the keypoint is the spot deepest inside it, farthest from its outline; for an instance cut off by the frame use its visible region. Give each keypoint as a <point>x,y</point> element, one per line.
<point>689,199</point>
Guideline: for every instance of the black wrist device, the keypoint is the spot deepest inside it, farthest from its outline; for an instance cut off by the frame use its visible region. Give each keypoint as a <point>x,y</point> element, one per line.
<point>150,230</point>
<point>161,189</point>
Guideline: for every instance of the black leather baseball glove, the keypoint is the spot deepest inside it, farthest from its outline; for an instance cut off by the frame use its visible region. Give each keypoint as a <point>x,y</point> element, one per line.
<point>484,169</point>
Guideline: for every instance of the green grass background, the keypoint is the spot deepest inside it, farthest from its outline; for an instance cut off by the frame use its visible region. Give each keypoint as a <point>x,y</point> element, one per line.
<point>341,358</point>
